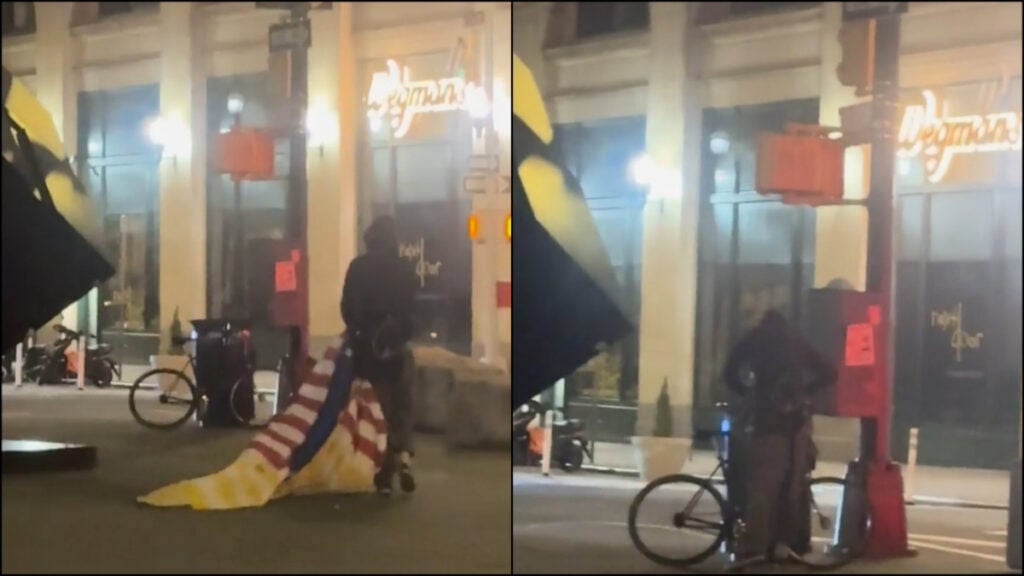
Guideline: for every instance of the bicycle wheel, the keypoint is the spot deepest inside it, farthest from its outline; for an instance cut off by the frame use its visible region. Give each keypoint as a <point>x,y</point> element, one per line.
<point>678,520</point>
<point>825,501</point>
<point>245,401</point>
<point>163,399</point>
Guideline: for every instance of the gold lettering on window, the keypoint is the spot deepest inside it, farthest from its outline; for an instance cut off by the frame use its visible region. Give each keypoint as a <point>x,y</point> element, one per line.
<point>416,253</point>
<point>951,321</point>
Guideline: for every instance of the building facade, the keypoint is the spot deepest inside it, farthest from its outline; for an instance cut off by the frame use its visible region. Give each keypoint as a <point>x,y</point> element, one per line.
<point>691,85</point>
<point>407,115</point>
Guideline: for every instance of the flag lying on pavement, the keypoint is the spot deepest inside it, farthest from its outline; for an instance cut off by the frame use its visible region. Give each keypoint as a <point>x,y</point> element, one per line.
<point>51,231</point>
<point>295,454</point>
<point>566,299</point>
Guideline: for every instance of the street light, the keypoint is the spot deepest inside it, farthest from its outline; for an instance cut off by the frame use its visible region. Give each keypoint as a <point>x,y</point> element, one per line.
<point>171,135</point>
<point>641,170</point>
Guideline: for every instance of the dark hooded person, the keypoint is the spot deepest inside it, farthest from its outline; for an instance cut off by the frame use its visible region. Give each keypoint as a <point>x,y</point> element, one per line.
<point>775,373</point>
<point>376,305</point>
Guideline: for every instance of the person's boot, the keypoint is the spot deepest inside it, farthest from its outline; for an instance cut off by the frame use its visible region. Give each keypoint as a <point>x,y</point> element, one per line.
<point>383,480</point>
<point>405,473</point>
<point>740,562</point>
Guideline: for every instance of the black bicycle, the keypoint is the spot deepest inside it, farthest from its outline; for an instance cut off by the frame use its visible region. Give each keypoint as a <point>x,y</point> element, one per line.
<point>681,520</point>
<point>165,398</point>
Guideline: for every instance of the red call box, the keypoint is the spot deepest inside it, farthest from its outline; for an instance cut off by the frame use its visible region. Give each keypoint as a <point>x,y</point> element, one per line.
<point>504,293</point>
<point>847,328</point>
<point>287,306</point>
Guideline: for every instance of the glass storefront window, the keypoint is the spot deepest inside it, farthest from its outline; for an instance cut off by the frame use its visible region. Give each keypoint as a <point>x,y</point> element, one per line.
<point>417,178</point>
<point>120,167</point>
<point>252,210</point>
<point>945,120</point>
<point>599,154</point>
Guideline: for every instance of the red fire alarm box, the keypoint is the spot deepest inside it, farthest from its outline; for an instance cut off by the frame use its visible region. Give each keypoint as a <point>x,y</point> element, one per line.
<point>846,327</point>
<point>802,164</point>
<point>277,282</point>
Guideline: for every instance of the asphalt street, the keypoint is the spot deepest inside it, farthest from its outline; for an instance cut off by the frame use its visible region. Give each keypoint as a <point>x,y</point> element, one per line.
<point>577,524</point>
<point>458,521</point>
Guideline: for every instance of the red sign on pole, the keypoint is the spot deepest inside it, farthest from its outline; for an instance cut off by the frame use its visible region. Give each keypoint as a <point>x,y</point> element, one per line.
<point>504,294</point>
<point>284,277</point>
<point>860,345</point>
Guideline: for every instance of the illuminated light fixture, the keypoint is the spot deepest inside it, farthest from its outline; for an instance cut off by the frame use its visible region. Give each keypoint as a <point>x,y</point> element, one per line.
<point>938,138</point>
<point>321,126</point>
<point>508,227</point>
<point>719,143</point>
<point>641,170</point>
<point>473,227</point>
<point>394,96</point>
<point>477,103</point>
<point>376,124</point>
<point>171,135</point>
<point>502,108</point>
<point>235,104</point>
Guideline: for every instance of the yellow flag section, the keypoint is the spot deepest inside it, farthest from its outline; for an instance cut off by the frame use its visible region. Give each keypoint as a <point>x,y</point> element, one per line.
<point>345,463</point>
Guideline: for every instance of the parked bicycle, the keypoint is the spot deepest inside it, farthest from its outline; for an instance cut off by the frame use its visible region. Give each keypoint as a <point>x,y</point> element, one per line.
<point>165,398</point>
<point>681,520</point>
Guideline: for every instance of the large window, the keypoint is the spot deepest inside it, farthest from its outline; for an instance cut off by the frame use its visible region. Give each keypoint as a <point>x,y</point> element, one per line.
<point>415,174</point>
<point>599,155</point>
<point>958,298</point>
<point>597,18</point>
<point>756,254</point>
<point>239,213</point>
<point>119,165</point>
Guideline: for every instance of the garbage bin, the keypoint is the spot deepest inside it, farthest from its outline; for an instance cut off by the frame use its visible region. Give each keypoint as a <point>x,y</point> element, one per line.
<point>1013,527</point>
<point>221,361</point>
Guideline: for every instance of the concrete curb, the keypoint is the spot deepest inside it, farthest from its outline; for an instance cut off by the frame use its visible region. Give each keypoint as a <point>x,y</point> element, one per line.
<point>917,500</point>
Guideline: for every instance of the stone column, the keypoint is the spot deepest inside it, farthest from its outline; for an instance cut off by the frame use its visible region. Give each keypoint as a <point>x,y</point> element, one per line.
<point>491,253</point>
<point>56,86</point>
<point>669,287</point>
<point>841,232</point>
<point>334,103</point>
<point>183,167</point>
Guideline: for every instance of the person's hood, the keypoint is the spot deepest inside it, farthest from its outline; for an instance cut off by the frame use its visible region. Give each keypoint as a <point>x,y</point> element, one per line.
<point>382,236</point>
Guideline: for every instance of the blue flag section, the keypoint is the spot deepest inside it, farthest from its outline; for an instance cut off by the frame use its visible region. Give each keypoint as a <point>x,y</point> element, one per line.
<point>567,301</point>
<point>339,389</point>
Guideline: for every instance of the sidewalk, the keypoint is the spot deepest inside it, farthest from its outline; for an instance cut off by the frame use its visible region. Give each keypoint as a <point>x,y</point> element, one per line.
<point>966,487</point>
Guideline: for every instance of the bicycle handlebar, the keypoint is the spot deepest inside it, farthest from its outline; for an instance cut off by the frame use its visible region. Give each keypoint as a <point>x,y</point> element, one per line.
<point>60,328</point>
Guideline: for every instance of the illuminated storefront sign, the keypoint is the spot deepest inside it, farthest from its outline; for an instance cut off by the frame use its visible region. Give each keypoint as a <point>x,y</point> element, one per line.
<point>394,95</point>
<point>928,132</point>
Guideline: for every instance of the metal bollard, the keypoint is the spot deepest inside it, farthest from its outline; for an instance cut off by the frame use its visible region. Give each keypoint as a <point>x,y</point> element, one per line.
<point>19,364</point>
<point>284,384</point>
<point>908,485</point>
<point>1013,532</point>
<point>81,363</point>
<point>545,463</point>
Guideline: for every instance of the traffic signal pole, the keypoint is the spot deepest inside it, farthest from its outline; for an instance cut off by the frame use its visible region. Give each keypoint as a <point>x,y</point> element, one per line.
<point>880,203</point>
<point>297,189</point>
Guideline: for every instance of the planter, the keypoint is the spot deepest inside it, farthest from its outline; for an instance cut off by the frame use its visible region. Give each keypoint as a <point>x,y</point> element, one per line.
<point>658,457</point>
<point>172,362</point>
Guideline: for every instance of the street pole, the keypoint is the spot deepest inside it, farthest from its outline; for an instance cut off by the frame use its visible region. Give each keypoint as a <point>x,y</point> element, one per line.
<point>875,431</point>
<point>296,200</point>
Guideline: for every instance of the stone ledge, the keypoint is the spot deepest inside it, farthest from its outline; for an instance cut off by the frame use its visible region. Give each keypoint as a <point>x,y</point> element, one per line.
<point>470,402</point>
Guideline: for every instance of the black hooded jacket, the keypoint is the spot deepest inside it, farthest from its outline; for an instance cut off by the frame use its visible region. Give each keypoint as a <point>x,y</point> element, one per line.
<point>379,287</point>
<point>786,370</point>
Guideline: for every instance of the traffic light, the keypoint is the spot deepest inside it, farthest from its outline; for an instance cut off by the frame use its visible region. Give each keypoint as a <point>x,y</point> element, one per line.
<point>508,227</point>
<point>473,227</point>
<point>857,67</point>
